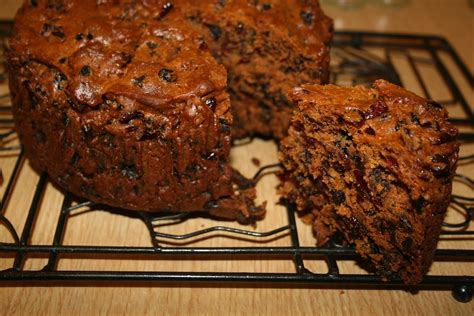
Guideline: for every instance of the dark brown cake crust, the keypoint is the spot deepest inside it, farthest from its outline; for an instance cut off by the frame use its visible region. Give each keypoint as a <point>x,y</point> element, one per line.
<point>125,106</point>
<point>376,164</point>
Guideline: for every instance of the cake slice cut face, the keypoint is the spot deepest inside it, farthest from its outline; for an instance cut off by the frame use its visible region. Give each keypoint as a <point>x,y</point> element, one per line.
<point>267,47</point>
<point>375,164</point>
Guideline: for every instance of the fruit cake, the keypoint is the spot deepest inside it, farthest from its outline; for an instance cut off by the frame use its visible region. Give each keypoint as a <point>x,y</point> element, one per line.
<point>123,106</point>
<point>126,102</point>
<point>376,165</point>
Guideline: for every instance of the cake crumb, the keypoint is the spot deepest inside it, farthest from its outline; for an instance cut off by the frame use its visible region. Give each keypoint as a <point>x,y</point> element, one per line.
<point>256,161</point>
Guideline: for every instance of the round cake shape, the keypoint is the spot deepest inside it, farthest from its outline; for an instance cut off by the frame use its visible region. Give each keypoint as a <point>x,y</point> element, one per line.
<point>123,108</point>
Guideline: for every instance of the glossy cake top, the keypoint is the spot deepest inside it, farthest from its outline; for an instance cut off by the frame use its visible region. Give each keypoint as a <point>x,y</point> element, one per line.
<point>108,47</point>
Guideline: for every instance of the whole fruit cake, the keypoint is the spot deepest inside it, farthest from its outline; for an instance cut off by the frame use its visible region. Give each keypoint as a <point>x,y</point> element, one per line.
<point>126,102</point>
<point>375,164</point>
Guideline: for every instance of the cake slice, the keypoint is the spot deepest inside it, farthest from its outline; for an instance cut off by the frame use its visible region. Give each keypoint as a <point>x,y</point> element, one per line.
<point>375,164</point>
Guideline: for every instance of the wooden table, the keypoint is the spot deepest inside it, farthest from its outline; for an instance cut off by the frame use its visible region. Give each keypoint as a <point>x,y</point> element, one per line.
<point>451,19</point>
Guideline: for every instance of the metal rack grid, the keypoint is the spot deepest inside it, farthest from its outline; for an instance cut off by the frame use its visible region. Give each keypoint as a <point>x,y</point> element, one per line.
<point>353,62</point>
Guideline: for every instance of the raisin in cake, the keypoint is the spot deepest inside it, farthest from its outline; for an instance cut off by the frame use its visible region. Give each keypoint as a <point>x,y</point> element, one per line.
<point>376,164</point>
<point>268,47</point>
<point>125,106</point>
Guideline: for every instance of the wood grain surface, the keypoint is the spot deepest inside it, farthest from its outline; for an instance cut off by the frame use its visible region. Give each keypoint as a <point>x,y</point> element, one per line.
<point>452,19</point>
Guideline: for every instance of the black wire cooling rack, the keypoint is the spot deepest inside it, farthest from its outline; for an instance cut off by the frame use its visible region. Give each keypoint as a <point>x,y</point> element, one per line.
<point>357,58</point>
